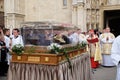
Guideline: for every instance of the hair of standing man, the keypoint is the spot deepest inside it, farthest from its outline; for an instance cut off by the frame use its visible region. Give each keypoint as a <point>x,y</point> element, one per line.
<point>16,29</point>
<point>95,31</point>
<point>5,30</point>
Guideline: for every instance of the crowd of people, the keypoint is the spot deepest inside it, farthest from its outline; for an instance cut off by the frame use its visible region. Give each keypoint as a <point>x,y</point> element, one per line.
<point>7,41</point>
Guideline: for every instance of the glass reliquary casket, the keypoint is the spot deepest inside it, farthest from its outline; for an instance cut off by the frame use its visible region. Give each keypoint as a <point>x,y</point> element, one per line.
<point>42,33</point>
<point>37,36</point>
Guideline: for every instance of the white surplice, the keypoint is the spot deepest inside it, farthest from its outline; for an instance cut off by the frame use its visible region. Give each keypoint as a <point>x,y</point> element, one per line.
<point>115,55</point>
<point>7,43</point>
<point>17,40</point>
<point>106,48</point>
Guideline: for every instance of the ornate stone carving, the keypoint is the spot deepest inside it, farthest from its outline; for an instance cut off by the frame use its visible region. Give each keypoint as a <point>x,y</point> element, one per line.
<point>104,2</point>
<point>92,13</point>
<point>88,5</point>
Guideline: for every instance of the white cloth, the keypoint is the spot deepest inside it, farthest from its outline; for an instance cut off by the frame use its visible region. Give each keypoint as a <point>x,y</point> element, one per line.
<point>106,60</point>
<point>82,38</point>
<point>7,42</point>
<point>17,40</point>
<point>74,38</point>
<point>118,72</point>
<point>115,55</point>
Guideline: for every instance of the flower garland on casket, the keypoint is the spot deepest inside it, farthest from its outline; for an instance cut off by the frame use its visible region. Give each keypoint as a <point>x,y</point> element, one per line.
<point>18,49</point>
<point>58,49</point>
<point>54,48</point>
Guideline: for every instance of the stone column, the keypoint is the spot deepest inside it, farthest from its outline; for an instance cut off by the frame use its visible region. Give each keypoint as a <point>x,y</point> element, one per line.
<point>81,17</point>
<point>74,15</point>
<point>14,14</point>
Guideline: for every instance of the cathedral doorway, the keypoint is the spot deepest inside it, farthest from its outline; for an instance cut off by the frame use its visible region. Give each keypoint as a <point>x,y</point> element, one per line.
<point>112,19</point>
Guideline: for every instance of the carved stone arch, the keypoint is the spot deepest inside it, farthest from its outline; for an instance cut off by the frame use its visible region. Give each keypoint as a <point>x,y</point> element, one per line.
<point>104,2</point>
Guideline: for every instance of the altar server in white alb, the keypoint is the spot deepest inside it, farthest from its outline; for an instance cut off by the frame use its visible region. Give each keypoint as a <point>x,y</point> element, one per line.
<point>7,42</point>
<point>106,39</point>
<point>16,38</point>
<point>115,55</point>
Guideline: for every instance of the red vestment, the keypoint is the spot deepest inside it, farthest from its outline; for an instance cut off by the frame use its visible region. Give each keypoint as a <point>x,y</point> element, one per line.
<point>92,44</point>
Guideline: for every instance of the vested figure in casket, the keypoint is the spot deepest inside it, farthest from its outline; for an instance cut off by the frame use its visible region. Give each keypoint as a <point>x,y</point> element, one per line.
<point>62,38</point>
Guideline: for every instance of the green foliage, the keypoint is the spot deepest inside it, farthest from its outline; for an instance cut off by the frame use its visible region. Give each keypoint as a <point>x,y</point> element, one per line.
<point>78,46</point>
<point>67,58</point>
<point>30,50</point>
<point>81,45</point>
<point>18,49</point>
<point>56,49</point>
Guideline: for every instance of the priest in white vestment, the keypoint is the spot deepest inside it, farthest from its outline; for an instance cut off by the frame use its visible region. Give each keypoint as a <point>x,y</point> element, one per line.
<point>106,40</point>
<point>115,55</point>
<point>16,38</point>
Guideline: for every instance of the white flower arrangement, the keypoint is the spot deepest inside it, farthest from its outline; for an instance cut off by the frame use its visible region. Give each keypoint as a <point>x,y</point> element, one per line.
<point>18,49</point>
<point>54,48</point>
